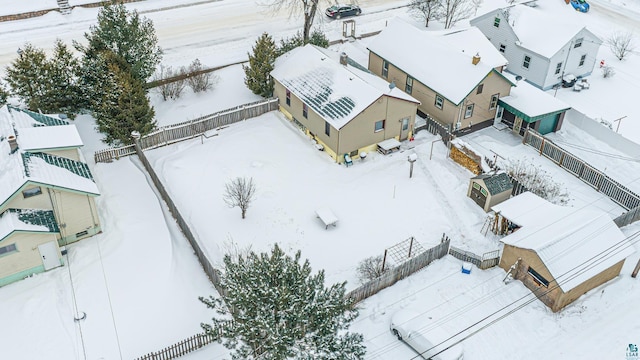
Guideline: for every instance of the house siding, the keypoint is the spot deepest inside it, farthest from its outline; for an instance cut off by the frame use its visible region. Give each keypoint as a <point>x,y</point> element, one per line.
<point>26,260</point>
<point>75,213</point>
<point>72,154</point>
<point>450,114</point>
<point>18,201</point>
<point>573,294</point>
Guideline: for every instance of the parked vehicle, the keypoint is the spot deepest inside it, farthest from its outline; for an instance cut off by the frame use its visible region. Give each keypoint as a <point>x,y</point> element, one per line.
<point>340,11</point>
<point>406,326</point>
<point>580,5</point>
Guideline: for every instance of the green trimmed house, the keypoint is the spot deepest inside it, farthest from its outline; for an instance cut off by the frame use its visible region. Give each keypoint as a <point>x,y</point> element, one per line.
<point>47,198</point>
<point>457,76</point>
<point>488,190</point>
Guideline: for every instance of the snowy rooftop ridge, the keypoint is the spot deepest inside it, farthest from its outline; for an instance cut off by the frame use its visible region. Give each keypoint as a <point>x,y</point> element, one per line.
<point>336,92</point>
<point>437,63</point>
<point>27,220</point>
<point>19,167</point>
<point>574,244</point>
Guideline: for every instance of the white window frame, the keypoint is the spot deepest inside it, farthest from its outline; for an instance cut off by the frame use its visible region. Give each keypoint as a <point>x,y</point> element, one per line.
<point>378,126</point>
<point>583,58</point>
<point>34,191</point>
<point>502,48</point>
<point>408,88</point>
<point>578,43</point>
<point>494,101</point>
<point>8,249</point>
<point>526,63</point>
<point>468,111</point>
<point>439,102</point>
<point>385,69</point>
<point>558,68</point>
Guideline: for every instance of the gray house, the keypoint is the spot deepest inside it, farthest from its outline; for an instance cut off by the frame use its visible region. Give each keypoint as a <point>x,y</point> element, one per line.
<point>539,48</point>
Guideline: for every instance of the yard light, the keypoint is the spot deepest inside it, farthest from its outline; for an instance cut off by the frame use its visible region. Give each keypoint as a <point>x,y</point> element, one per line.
<point>411,158</point>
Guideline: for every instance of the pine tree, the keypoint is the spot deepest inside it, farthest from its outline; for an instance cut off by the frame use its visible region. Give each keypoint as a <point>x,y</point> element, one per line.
<point>4,94</point>
<point>27,76</point>
<point>124,107</point>
<point>126,34</point>
<point>282,311</point>
<point>257,73</point>
<point>317,38</point>
<point>63,92</point>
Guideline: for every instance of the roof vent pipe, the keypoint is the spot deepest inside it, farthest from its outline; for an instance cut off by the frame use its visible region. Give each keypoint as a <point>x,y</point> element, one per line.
<point>13,144</point>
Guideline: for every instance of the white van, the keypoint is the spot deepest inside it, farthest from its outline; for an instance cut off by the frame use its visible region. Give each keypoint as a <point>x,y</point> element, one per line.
<point>406,326</point>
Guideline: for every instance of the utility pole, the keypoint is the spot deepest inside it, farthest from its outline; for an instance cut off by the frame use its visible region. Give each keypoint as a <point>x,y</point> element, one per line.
<point>635,271</point>
<point>619,120</point>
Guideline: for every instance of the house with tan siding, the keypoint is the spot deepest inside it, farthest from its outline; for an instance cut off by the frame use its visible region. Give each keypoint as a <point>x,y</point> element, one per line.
<point>339,104</point>
<point>539,47</point>
<point>47,198</point>
<point>560,253</point>
<point>456,76</point>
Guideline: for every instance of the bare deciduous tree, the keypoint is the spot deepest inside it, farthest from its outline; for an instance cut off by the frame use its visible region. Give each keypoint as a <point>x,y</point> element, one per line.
<point>426,10</point>
<point>621,44</point>
<point>456,10</point>
<point>240,192</point>
<point>308,8</point>
<point>370,268</point>
<point>169,90</point>
<point>608,71</point>
<point>199,80</point>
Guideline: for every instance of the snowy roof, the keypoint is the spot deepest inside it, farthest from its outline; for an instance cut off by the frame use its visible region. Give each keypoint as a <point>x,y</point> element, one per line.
<point>496,183</point>
<point>27,220</point>
<point>539,31</point>
<point>472,41</point>
<point>336,92</point>
<point>49,137</point>
<point>528,209</point>
<point>435,62</point>
<point>20,167</point>
<point>575,244</point>
<point>531,100</point>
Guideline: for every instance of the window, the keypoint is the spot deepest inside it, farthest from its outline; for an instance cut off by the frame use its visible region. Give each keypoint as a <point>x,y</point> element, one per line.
<point>32,192</point>
<point>526,62</point>
<point>82,233</point>
<point>439,101</point>
<point>409,87</point>
<point>476,186</point>
<point>578,43</point>
<point>582,59</point>
<point>288,98</point>
<point>539,279</point>
<point>502,48</point>
<point>468,112</point>
<point>483,191</point>
<point>385,69</point>
<point>496,22</point>
<point>405,124</point>
<point>305,111</point>
<point>327,128</point>
<point>494,101</point>
<point>8,249</point>
<point>480,87</point>
<point>379,126</point>
<point>558,68</point>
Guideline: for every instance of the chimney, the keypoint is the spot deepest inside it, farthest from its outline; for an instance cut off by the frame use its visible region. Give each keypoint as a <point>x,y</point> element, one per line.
<point>343,58</point>
<point>13,144</point>
<point>476,59</point>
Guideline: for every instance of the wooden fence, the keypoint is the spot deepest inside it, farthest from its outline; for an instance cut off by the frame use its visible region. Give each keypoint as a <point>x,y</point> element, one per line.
<point>487,260</point>
<point>189,129</point>
<point>400,272</point>
<point>627,218</point>
<point>433,126</point>
<point>182,348</point>
<point>585,172</point>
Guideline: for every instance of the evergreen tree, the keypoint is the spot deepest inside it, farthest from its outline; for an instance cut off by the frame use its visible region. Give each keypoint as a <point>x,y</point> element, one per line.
<point>257,73</point>
<point>282,311</point>
<point>63,93</point>
<point>4,94</point>
<point>126,34</point>
<point>317,38</point>
<point>27,76</point>
<point>124,106</point>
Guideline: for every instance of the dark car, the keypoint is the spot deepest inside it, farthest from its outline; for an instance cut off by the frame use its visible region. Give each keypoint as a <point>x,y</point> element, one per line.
<point>340,11</point>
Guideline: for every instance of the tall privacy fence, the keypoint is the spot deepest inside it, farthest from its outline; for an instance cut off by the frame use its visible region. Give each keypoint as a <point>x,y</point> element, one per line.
<point>487,260</point>
<point>167,135</point>
<point>182,348</point>
<point>433,126</point>
<point>585,172</point>
<point>400,272</point>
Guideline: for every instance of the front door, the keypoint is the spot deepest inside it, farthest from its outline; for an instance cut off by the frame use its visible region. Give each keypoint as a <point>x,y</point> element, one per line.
<point>404,129</point>
<point>49,255</point>
<point>517,124</point>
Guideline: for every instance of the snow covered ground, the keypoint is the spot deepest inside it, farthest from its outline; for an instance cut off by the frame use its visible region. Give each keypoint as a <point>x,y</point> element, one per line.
<point>138,281</point>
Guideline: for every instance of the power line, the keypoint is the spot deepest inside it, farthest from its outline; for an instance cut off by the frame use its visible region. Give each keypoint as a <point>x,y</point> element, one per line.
<point>106,283</point>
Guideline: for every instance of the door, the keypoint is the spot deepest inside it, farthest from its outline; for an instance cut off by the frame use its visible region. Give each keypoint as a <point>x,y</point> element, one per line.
<point>517,124</point>
<point>49,255</point>
<point>404,129</point>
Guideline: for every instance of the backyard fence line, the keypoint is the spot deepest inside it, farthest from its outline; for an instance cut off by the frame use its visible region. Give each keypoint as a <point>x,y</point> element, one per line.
<point>487,260</point>
<point>181,348</point>
<point>189,129</point>
<point>627,218</point>
<point>400,272</point>
<point>435,127</point>
<point>581,169</point>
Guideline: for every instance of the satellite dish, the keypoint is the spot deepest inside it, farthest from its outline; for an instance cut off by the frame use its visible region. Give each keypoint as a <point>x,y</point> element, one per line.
<point>518,78</point>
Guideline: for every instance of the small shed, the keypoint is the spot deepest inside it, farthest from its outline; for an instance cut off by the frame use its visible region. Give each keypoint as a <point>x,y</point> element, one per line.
<point>488,190</point>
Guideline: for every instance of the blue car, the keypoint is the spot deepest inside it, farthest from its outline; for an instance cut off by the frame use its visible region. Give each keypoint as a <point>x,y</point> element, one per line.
<point>580,5</point>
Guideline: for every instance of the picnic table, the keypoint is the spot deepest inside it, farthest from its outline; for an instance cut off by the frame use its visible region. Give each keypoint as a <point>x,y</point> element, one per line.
<point>388,146</point>
<point>327,216</point>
